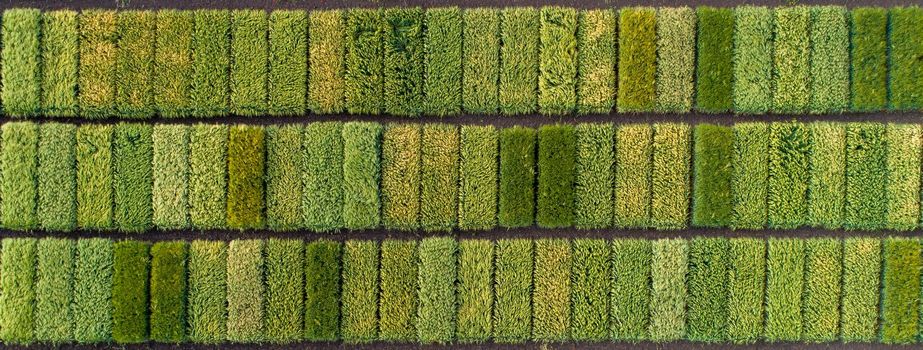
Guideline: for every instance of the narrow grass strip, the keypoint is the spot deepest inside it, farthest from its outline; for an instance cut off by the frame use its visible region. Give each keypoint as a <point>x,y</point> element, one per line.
<point>900,290</point>
<point>17,320</point>
<point>475,290</point>
<point>751,175</point>
<point>481,60</point>
<point>868,33</point>
<point>284,183</point>
<point>629,316</point>
<point>594,179</point>
<point>54,287</point>
<point>669,265</point>
<point>285,290</point>
<point>903,171</point>
<point>513,290</point>
<point>97,69</point>
<point>132,153</point>
<point>170,194</point>
<point>208,175</point>
<point>442,44</point>
<point>551,314</point>
<point>557,151</point>
<point>866,176</point>
<point>57,177</point>
<point>789,175</point>
<point>828,174</point>
<point>637,66</point>
<point>397,303</point>
<point>168,291</point>
<point>173,65</point>
<point>714,75</point>
<point>435,318</point>
<point>19,174</point>
<point>591,280</point>
<point>130,291</point>
<point>246,291</point>
<point>135,63</point>
<point>905,73</point>
<point>326,66</point>
<point>516,207</point>
<point>477,187</point>
<point>596,60</point>
<point>785,265</point>
<point>712,203</point>
<point>753,60</point>
<point>829,59</point>
<point>520,45</point>
<point>403,55</point>
<point>633,175</point>
<point>59,47</point>
<point>246,166</point>
<point>400,176</point>
<point>21,62</point>
<point>91,307</point>
<point>820,308</point>
<point>94,176</point>
<point>860,289</point>
<point>250,62</point>
<point>791,54</point>
<point>707,283</point>
<point>746,281</point>
<point>321,175</point>
<point>208,290</point>
<point>557,83</point>
<point>211,63</point>
<point>676,45</point>
<point>322,289</point>
<point>359,319</point>
<point>364,60</point>
<point>288,62</point>
<point>361,173</point>
<point>671,160</point>
<point>439,178</point>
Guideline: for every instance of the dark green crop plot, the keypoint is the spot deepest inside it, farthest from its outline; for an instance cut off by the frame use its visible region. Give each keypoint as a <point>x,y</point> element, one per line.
<point>715,65</point>
<point>753,60</point>
<point>135,63</point>
<point>712,203</point>
<point>785,265</point>
<point>326,46</point>
<point>322,176</point>
<point>828,174</point>
<point>285,290</point>
<point>481,60</point>
<point>746,262</point>
<point>284,178</point>
<point>633,175</point>
<point>443,56</point>
<point>132,153</point>
<point>477,187</point>
<point>288,62</point>
<point>860,301</point>
<point>168,292</point>
<point>707,311</point>
<point>751,175</point>
<point>322,290</point>
<point>596,59</point>
<point>866,176</point>
<point>670,181</point>
<point>900,290</point>
<point>516,207</point>
<point>211,63</point>
<point>21,62</point>
<point>594,179</point>
<point>57,177</point>
<point>519,59</point>
<point>246,163</point>
<point>173,69</point>
<point>59,63</point>
<point>54,286</point>
<point>170,196</point>
<point>364,60</point>
<point>551,290</point>
<point>436,279</point>
<point>361,172</point>
<point>512,289</point>
<point>631,294</point>
<point>820,308</point>
<point>789,175</point>
<point>208,175</point>
<point>637,66</point>
<point>557,151</point>
<point>903,172</point>
<point>17,318</point>
<point>829,59</point>
<point>400,176</point>
<point>206,297</point>
<point>398,300</point>
<point>19,175</point>
<point>791,54</point>
<point>669,265</point>
<point>359,320</point>
<point>868,34</point>
<point>475,291</point>
<point>246,291</point>
<point>439,178</point>
<point>905,49</point>
<point>591,281</point>
<point>250,62</point>
<point>131,271</point>
<point>557,83</point>
<point>403,58</point>
<point>91,306</point>
<point>675,85</point>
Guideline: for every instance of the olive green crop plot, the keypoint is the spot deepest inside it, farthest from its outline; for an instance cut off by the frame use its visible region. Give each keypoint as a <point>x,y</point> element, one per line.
<point>208,175</point>
<point>173,69</point>
<point>670,176</point>
<point>900,290</point>
<point>905,71</point>
<point>712,203</point>
<point>397,301</point>
<point>18,282</point>
<point>439,178</point>
<point>675,59</point>
<point>359,301</point>
<point>516,207</point>
<point>707,283</point>
<point>361,174</point>
<point>437,283</point>
<point>513,278</point>
<point>903,167</point>
<point>596,60</point>
<point>785,270</point>
<point>363,61</point>
<point>477,186</point>
<point>91,306</point>
<point>715,67</point>
<point>246,164</point>
<point>475,291</point>
<point>591,271</point>
<point>54,286</point>
<point>593,183</point>
<point>669,267</point>
<point>868,34</point>
<point>822,288</point>
<point>520,47</point>
<point>284,183</point>
<point>326,67</point>
<point>245,291</point>
<point>829,59</point>
<point>828,175</point>
<point>866,165</point>
<point>130,290</point>
<point>753,60</point>
<point>789,166</point>
<point>633,175</point>
<point>860,289</point>
<point>400,176</point>
<point>168,291</point>
<point>481,60</point>
<point>637,65</point>
<point>403,49</point>
<point>551,314</point>
<point>322,289</point>
<point>557,83</point>
<point>285,290</point>
<point>170,192</point>
<point>132,153</point>
<point>629,316</point>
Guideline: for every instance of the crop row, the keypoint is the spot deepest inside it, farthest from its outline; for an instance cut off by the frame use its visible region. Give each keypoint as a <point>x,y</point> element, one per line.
<point>439,290</point>
<point>329,176</point>
<point>446,61</point>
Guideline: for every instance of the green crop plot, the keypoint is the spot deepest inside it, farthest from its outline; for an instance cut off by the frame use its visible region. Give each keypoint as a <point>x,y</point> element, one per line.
<point>707,289</point>
<point>866,176</point>
<point>206,297</point>
<point>435,318</point>
<point>785,270</point>
<point>245,290</point>
<point>442,45</point>
<point>359,301</point>
<point>520,48</point>
<point>596,60</point>
<point>481,60</point>
<point>712,203</point>
<point>903,170</point>
<point>822,287</point>
<point>670,176</point>
<point>130,291</point>
<point>753,60</point>
<point>828,175</point>
<point>751,175</point>
<point>173,63</point>
<point>170,192</point>
<point>631,295</point>
<point>19,145</point>
<point>868,34</point>
<point>675,85</point>
<point>556,173</point>
<point>512,290</point>
<point>249,57</point>
<point>439,178</point>
<point>516,207</point>
<point>134,63</point>
<point>900,290</point>
<point>364,60</point>
<point>91,306</point>
<point>208,175</point>
<point>57,177</point>
<point>361,173</point>
<point>285,290</point>
<point>168,291</point>
<point>791,57</point>
<point>477,186</point>
<point>669,266</point>
<point>132,155</point>
<point>905,72</point>
<point>288,62</point>
<point>475,291</point>
<point>321,174</point>
<point>54,286</point>
<point>715,65</point>
<point>591,271</point>
<point>403,50</point>
<point>209,92</point>
<point>746,282</point>
<point>21,62</point>
<point>789,175</point>
<point>557,83</point>
<point>322,289</point>
<point>397,303</point>
<point>829,59</point>
<point>637,66</point>
<point>860,289</point>
<point>593,183</point>
<point>17,320</point>
<point>633,175</point>
<point>59,47</point>
<point>284,183</point>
